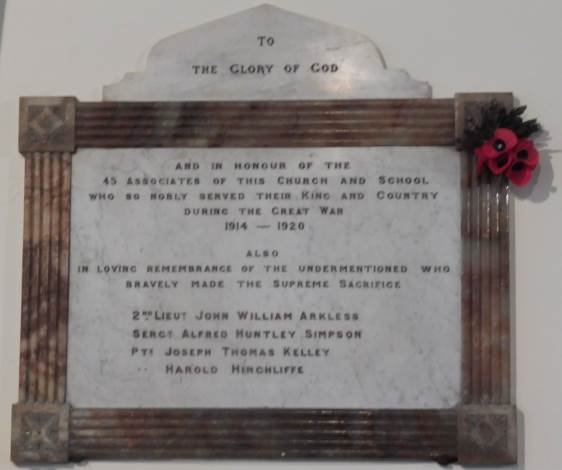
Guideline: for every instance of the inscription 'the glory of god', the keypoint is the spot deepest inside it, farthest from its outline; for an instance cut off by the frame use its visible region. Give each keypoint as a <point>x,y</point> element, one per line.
<point>265,69</point>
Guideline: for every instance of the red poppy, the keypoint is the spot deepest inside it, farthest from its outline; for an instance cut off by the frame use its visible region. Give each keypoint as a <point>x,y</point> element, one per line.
<point>526,153</point>
<point>498,165</point>
<point>503,141</point>
<point>525,160</point>
<point>519,173</point>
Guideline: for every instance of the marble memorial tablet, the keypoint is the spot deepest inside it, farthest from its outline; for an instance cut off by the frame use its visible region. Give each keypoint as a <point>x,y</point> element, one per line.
<point>264,245</point>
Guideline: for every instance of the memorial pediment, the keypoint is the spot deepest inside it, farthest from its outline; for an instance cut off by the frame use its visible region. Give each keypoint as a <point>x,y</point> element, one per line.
<point>265,53</point>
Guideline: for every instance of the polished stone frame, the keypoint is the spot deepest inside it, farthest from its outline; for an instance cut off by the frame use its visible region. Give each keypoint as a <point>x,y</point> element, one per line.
<point>46,428</point>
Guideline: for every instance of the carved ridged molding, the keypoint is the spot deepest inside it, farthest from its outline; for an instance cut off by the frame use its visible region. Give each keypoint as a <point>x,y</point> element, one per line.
<point>485,296</point>
<point>266,123</point>
<point>486,363</point>
<point>481,430</point>
<point>45,278</point>
<point>290,434</point>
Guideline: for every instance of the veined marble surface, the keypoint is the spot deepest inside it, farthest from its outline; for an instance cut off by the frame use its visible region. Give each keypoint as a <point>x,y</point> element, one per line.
<point>132,214</point>
<point>265,53</point>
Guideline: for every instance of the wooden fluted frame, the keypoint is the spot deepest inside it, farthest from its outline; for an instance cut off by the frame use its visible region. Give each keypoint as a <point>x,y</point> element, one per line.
<point>46,428</point>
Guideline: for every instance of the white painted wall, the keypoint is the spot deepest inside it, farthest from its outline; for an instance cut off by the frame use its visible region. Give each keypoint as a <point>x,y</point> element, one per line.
<point>73,47</point>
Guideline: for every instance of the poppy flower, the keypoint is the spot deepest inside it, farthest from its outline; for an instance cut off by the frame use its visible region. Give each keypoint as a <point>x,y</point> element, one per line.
<point>525,160</point>
<point>501,163</point>
<point>519,173</point>
<point>502,142</point>
<point>526,153</point>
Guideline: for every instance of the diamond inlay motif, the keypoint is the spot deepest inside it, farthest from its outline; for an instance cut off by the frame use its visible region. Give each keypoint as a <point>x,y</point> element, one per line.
<point>46,123</point>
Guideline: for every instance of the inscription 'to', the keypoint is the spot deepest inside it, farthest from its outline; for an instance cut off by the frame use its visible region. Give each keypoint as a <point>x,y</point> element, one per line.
<point>266,41</point>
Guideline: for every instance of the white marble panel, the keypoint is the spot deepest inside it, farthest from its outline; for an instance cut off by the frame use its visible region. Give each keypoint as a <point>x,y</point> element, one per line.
<point>265,53</point>
<point>144,219</point>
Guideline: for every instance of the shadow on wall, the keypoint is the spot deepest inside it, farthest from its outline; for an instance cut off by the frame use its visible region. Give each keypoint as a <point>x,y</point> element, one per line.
<point>540,187</point>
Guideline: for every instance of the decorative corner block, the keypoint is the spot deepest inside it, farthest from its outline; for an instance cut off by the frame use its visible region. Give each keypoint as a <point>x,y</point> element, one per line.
<point>468,105</point>
<point>47,124</point>
<point>487,435</point>
<point>40,433</point>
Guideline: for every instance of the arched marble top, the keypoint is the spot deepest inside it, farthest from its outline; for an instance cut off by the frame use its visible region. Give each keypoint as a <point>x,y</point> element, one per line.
<point>233,59</point>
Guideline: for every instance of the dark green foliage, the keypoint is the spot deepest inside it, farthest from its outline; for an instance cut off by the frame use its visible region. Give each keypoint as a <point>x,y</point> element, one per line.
<point>494,116</point>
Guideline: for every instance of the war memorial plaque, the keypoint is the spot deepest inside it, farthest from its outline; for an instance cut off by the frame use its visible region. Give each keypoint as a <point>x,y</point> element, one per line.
<point>265,245</point>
